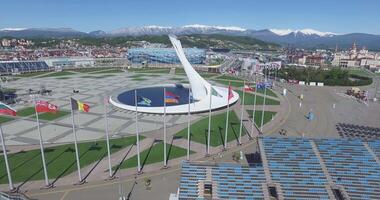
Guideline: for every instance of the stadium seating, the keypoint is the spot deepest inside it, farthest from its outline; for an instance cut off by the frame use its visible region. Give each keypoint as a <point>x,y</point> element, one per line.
<point>233,181</point>
<point>375,146</point>
<point>351,165</point>
<point>22,67</point>
<point>293,164</point>
<point>301,168</point>
<point>357,131</point>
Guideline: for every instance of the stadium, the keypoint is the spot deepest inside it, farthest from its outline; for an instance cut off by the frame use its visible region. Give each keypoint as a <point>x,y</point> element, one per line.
<point>164,56</point>
<point>261,146</point>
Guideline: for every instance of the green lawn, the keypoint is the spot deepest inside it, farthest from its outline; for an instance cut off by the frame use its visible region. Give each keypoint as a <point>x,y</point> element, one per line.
<point>360,72</point>
<point>27,165</point>
<point>269,92</point>
<point>207,75</point>
<point>52,116</point>
<point>91,70</point>
<point>249,99</point>
<point>24,75</point>
<point>137,76</point>
<point>199,130</point>
<point>63,78</point>
<point>4,119</point>
<point>55,74</point>
<point>232,83</point>
<point>26,111</point>
<point>155,71</point>
<point>267,116</point>
<point>105,71</point>
<point>226,77</point>
<point>139,79</point>
<point>155,154</point>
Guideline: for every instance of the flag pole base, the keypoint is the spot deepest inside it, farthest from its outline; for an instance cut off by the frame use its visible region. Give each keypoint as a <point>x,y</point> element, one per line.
<point>80,182</point>
<point>140,172</point>
<point>207,155</point>
<point>49,186</point>
<point>239,143</point>
<point>14,190</point>
<point>224,149</point>
<point>165,167</point>
<point>110,178</point>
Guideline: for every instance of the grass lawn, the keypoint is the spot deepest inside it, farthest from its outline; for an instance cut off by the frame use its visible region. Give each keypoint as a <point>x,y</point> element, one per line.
<point>88,76</point>
<point>199,130</point>
<point>63,78</point>
<point>91,70</point>
<point>26,111</point>
<point>249,99</point>
<point>226,77</point>
<point>267,116</point>
<point>105,71</point>
<point>139,79</point>
<point>156,71</point>
<point>60,159</point>
<point>269,92</point>
<point>55,74</point>
<point>155,154</point>
<point>137,76</point>
<point>52,116</point>
<point>24,75</point>
<point>177,79</point>
<point>207,75</point>
<point>232,83</point>
<point>360,72</point>
<point>5,119</point>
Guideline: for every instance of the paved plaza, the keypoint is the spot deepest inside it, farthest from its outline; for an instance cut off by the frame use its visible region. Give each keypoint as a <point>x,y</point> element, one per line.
<point>90,126</point>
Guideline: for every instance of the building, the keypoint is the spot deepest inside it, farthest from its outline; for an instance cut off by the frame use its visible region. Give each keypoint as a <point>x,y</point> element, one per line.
<point>290,168</point>
<point>164,56</point>
<point>68,62</point>
<point>356,58</point>
<point>15,67</point>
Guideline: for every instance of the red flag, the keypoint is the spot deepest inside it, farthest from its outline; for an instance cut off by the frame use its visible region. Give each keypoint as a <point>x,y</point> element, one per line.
<point>230,93</point>
<point>44,106</point>
<point>248,88</point>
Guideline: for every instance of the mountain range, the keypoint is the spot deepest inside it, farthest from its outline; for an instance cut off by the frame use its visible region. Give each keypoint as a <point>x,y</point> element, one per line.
<point>305,38</point>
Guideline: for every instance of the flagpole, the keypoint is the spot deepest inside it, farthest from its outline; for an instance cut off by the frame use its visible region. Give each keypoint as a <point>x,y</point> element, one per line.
<point>241,114</point>
<point>107,138</point>
<point>254,105</point>
<point>263,111</point>
<point>75,143</point>
<point>188,129</point>
<point>209,124</point>
<point>47,184</point>
<point>228,112</point>
<point>165,163</point>
<point>137,136</point>
<point>11,188</point>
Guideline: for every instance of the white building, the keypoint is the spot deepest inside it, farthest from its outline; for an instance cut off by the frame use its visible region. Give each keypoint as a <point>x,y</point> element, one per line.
<point>69,62</point>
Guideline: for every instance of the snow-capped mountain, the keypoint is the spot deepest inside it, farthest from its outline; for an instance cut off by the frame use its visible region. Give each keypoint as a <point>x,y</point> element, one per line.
<point>300,38</point>
<point>308,31</point>
<point>188,29</point>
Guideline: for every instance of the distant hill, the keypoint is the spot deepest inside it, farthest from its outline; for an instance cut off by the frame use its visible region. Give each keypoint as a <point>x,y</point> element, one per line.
<point>305,38</point>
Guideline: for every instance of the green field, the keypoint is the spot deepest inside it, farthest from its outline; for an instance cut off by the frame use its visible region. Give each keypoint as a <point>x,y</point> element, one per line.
<point>63,78</point>
<point>155,71</point>
<point>232,78</point>
<point>137,76</point>
<point>232,83</point>
<point>5,119</point>
<point>155,154</point>
<point>269,92</point>
<point>258,115</point>
<point>52,116</point>
<point>26,165</point>
<point>360,72</point>
<point>199,130</point>
<point>24,112</point>
<point>32,74</point>
<point>139,79</point>
<point>249,99</point>
<point>55,74</point>
<point>105,71</point>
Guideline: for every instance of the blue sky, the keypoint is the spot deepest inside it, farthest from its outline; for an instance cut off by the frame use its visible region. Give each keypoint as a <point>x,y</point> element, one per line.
<point>339,16</point>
